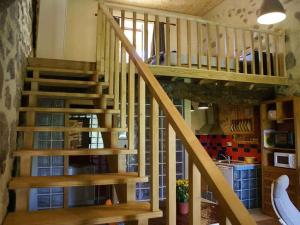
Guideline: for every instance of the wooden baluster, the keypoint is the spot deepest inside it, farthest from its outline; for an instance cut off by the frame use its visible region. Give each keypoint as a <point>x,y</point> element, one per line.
<point>157,40</point>
<point>276,55</point>
<point>194,194</point>
<point>154,155</point>
<point>102,45</point>
<point>200,44</point>
<point>236,52</point>
<point>283,55</point>
<point>178,24</point>
<point>268,55</point>
<point>189,43</point>
<point>145,36</point>
<point>244,53</point>
<point>111,61</point>
<point>218,48</point>
<point>168,42</point>
<point>252,53</point>
<point>227,49</point>
<point>99,41</point>
<point>107,51</point>
<point>123,76</point>
<point>117,74</point>
<point>260,51</point>
<point>208,46</point>
<point>131,104</point>
<point>142,127</point>
<point>171,175</point>
<point>134,29</point>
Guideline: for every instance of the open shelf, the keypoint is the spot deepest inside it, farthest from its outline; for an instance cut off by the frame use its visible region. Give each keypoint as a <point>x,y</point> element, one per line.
<point>279,149</point>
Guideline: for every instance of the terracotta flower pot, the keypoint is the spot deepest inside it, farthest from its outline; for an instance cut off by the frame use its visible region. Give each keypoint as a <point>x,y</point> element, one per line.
<point>183,208</point>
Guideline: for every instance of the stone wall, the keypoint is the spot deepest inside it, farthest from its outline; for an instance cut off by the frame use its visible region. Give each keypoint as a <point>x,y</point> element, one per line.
<point>244,13</point>
<point>15,47</point>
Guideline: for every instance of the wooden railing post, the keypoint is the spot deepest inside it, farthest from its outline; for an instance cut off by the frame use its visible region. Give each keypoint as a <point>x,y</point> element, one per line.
<point>117,74</point>
<point>168,41</point>
<point>142,127</point>
<point>261,66</point>
<point>200,44</point>
<point>189,43</point>
<point>208,45</point>
<point>171,175</point>
<point>145,37</point>
<point>107,51</point>
<point>236,51</point>
<point>154,156</point>
<point>99,47</point>
<point>157,41</point>
<point>194,193</point>
<point>111,62</point>
<point>178,30</point>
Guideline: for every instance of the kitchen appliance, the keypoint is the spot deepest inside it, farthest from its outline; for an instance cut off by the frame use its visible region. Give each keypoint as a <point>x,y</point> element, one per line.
<point>285,160</point>
<point>279,139</point>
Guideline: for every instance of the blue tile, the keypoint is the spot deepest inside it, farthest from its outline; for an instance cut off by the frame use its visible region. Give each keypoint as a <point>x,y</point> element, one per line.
<point>244,174</point>
<point>253,193</point>
<point>245,184</point>
<point>252,183</point>
<point>245,194</point>
<point>237,185</point>
<point>236,174</point>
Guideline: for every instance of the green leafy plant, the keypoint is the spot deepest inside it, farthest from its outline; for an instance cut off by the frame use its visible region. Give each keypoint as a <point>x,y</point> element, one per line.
<point>182,190</point>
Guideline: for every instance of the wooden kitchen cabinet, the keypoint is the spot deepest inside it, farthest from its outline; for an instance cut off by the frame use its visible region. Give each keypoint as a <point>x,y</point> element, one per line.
<point>280,115</point>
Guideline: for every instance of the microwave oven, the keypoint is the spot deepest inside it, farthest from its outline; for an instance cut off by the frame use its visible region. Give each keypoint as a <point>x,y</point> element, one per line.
<point>279,139</point>
<point>285,160</point>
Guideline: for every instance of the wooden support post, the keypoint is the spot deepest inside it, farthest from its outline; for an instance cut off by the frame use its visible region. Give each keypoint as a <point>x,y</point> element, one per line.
<point>218,48</point>
<point>142,127</point>
<point>189,43</point>
<point>200,44</point>
<point>194,194</point>
<point>99,40</point>
<point>111,62</point>
<point>131,104</point>
<point>117,74</point>
<point>244,53</point>
<point>171,175</point>
<point>208,53</point>
<point>268,55</point>
<point>178,29</point>
<point>236,52</point>
<point>168,41</point>
<point>123,76</point>
<point>145,37</point>
<point>107,51</point>
<point>227,47</point>
<point>252,52</point>
<point>260,51</point>
<point>154,155</point>
<point>157,40</point>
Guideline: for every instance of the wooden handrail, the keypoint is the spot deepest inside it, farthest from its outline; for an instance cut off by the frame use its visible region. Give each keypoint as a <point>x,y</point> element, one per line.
<point>231,205</point>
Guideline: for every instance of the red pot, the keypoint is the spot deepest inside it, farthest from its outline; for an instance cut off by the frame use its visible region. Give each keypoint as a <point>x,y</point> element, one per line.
<point>183,208</point>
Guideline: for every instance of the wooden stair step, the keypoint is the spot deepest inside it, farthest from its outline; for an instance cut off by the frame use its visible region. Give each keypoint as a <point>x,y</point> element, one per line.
<point>75,180</point>
<point>68,110</point>
<point>65,95</point>
<point>73,152</point>
<point>91,215</point>
<point>70,129</point>
<point>66,83</point>
<point>61,71</point>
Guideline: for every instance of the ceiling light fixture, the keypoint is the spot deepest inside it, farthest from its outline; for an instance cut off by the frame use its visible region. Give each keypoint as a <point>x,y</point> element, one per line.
<point>203,106</point>
<point>271,12</point>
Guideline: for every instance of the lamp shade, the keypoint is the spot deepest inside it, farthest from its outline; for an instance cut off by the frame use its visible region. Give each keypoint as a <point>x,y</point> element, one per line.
<point>271,12</point>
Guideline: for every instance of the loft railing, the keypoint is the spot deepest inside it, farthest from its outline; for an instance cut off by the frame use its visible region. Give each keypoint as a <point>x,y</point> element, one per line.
<point>110,37</point>
<point>188,41</point>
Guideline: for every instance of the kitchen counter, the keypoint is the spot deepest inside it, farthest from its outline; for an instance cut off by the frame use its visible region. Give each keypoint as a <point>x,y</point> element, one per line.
<point>245,180</point>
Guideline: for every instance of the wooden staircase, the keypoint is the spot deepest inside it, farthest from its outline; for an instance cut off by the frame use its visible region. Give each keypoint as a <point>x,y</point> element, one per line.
<point>58,79</point>
<point>116,91</point>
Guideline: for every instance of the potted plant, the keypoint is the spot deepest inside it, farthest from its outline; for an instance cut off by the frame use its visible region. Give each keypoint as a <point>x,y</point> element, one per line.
<point>182,195</point>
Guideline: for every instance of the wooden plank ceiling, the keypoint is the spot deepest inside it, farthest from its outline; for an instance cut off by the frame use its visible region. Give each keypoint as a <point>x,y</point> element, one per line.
<point>192,7</point>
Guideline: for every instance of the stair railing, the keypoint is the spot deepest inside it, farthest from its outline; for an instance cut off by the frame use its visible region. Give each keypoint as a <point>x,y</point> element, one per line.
<point>113,65</point>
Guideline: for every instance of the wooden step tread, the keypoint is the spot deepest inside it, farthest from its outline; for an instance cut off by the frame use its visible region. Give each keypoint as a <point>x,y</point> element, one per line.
<point>60,71</point>
<point>66,83</point>
<point>75,180</point>
<point>65,95</point>
<point>73,152</point>
<point>70,129</point>
<point>68,110</point>
<point>92,215</point>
